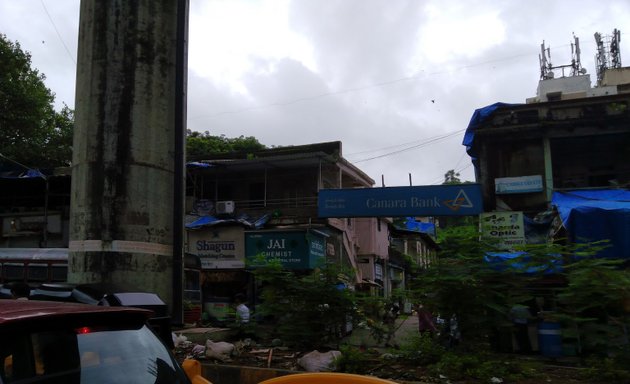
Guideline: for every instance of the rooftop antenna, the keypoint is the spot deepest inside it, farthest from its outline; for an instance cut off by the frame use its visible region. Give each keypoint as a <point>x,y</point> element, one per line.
<point>545,63</point>
<point>608,53</point>
<point>576,65</point>
<point>546,68</point>
<point>615,53</point>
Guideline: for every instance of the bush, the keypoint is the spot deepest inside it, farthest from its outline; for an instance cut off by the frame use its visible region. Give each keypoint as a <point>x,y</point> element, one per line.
<point>309,310</point>
<point>422,349</point>
<point>353,360</point>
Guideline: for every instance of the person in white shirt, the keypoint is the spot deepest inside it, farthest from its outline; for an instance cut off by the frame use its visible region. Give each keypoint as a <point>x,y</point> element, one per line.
<point>242,311</point>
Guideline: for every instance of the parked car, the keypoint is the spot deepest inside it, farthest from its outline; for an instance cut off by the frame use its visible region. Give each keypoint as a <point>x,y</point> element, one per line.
<point>56,342</point>
<point>103,295</point>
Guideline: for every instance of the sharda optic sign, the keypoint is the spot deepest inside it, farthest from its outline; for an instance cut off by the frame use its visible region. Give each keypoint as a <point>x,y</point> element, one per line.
<point>432,200</point>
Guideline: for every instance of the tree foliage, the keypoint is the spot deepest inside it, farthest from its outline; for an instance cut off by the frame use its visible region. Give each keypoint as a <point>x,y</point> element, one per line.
<point>307,310</point>
<point>588,296</point>
<point>200,144</point>
<point>451,177</point>
<point>31,131</point>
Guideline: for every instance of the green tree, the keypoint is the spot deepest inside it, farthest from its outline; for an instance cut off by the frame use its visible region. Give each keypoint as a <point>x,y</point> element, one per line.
<point>308,310</point>
<point>451,177</point>
<point>31,131</point>
<point>199,145</point>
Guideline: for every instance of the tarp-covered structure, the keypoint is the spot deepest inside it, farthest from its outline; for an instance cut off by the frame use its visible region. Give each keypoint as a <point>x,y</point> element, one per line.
<point>521,262</point>
<point>479,117</point>
<point>596,215</point>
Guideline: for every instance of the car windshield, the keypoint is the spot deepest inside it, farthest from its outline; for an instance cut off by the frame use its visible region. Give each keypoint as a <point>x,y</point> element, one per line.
<point>88,355</point>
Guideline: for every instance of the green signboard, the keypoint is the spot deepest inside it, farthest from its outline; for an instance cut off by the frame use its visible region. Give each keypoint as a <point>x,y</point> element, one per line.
<point>294,249</point>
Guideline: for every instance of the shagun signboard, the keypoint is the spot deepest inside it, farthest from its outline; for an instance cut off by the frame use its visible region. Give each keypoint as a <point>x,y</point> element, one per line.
<point>432,200</point>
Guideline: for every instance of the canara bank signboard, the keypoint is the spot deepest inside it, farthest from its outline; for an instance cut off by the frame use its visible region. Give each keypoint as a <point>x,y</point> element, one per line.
<point>432,200</point>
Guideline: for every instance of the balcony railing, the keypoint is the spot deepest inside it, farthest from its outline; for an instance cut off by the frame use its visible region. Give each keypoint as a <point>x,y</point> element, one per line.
<point>271,204</point>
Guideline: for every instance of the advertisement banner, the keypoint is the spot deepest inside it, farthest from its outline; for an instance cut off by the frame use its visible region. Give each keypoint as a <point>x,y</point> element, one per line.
<point>218,249</point>
<point>507,229</point>
<point>293,249</point>
<point>523,184</point>
<point>432,200</point>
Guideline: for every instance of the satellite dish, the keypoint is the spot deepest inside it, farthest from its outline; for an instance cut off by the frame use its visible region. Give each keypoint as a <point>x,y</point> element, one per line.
<point>583,71</point>
<point>550,75</point>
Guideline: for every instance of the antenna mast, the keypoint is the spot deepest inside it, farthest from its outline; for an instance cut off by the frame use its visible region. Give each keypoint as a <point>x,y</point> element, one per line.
<point>545,63</point>
<point>576,65</point>
<point>546,68</point>
<point>608,53</point>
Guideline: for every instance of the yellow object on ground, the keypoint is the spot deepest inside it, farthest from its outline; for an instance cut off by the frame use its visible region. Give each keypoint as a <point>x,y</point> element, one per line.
<point>193,371</point>
<point>326,378</point>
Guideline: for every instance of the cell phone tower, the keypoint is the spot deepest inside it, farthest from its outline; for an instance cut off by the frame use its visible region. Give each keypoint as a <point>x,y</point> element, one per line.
<point>608,53</point>
<point>546,67</point>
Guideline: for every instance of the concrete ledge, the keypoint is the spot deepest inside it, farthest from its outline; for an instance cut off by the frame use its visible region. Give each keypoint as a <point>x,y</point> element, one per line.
<point>234,374</point>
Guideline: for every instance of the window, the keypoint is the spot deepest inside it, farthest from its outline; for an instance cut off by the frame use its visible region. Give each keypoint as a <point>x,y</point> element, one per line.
<point>87,355</point>
<point>14,271</point>
<point>37,272</point>
<point>59,272</point>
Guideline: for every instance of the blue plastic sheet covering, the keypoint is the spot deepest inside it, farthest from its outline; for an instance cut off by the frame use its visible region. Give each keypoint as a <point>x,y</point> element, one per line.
<point>417,226</point>
<point>196,164</point>
<point>27,174</point>
<point>206,221</point>
<point>595,215</point>
<point>478,117</point>
<point>537,230</point>
<point>520,262</point>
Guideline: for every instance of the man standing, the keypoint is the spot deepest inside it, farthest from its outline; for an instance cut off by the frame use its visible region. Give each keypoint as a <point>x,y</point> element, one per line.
<point>242,311</point>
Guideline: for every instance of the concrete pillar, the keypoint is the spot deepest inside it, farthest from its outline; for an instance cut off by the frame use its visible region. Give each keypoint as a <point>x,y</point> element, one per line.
<point>123,166</point>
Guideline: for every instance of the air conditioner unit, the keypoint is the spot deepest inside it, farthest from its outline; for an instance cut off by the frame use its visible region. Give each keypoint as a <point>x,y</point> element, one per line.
<point>224,207</point>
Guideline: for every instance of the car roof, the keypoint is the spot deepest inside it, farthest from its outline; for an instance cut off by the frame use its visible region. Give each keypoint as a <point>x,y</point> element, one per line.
<point>14,312</point>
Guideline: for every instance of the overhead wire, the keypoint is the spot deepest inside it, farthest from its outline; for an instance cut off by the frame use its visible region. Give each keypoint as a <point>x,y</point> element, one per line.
<point>57,32</point>
<point>355,89</point>
<point>422,144</point>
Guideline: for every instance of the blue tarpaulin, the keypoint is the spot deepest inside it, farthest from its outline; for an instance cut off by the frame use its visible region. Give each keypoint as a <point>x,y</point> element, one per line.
<point>479,117</point>
<point>196,164</point>
<point>595,215</point>
<point>418,226</point>
<point>205,221</point>
<point>521,262</point>
<point>28,174</point>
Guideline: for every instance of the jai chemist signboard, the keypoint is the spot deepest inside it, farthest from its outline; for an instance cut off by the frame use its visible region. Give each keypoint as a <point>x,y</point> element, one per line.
<point>432,200</point>
<point>294,249</point>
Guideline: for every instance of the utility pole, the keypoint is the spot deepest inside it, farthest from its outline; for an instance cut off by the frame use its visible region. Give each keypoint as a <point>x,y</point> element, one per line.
<point>126,216</point>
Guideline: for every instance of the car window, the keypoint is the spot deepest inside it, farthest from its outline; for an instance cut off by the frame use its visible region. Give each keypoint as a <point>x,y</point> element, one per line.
<point>86,355</point>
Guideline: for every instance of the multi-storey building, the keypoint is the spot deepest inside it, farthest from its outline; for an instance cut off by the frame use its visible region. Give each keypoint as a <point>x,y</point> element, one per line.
<point>244,205</point>
<point>569,137</point>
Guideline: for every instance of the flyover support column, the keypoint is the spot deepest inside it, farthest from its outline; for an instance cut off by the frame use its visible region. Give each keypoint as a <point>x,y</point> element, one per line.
<point>124,179</point>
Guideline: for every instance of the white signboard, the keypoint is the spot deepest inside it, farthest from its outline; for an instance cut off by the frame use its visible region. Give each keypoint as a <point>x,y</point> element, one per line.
<point>218,248</point>
<point>523,184</point>
<point>506,228</point>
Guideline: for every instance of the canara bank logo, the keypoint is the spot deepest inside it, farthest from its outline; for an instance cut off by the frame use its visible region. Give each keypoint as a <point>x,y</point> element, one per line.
<point>460,201</point>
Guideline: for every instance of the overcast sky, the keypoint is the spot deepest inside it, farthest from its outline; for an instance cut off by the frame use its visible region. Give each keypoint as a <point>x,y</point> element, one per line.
<point>395,80</point>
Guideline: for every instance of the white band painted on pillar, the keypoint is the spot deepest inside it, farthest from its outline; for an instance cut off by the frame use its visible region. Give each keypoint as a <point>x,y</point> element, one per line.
<point>120,246</point>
